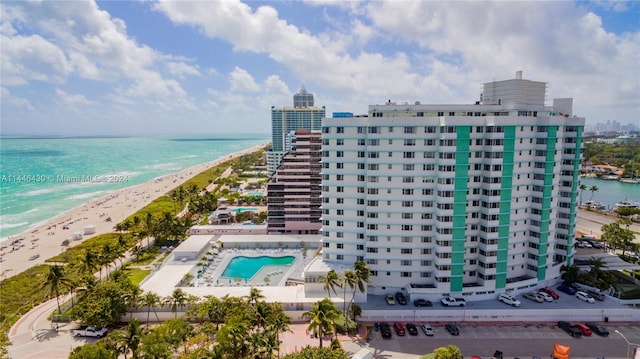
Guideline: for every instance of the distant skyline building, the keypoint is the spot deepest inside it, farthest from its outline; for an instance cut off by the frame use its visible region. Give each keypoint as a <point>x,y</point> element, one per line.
<point>303,99</point>
<point>285,121</point>
<point>293,191</point>
<point>471,199</point>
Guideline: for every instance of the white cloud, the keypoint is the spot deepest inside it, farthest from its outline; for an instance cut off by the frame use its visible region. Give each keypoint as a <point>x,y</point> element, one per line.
<point>78,39</point>
<point>181,69</point>
<point>242,81</point>
<point>349,54</point>
<point>28,58</point>
<point>73,100</point>
<point>10,101</point>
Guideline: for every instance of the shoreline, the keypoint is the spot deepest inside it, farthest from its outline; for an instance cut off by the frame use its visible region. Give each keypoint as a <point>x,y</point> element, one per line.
<point>44,239</point>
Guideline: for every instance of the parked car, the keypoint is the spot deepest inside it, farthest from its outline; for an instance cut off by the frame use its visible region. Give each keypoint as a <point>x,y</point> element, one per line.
<point>411,328</point>
<point>453,302</point>
<point>546,296</point>
<point>585,297</point>
<point>509,299</point>
<point>87,331</point>
<point>399,329</point>
<point>598,329</point>
<point>401,299</point>
<point>422,303</point>
<point>452,329</point>
<point>385,330</point>
<point>584,329</point>
<point>534,296</point>
<point>567,289</point>
<point>549,291</point>
<point>596,295</point>
<point>570,329</point>
<point>390,299</point>
<point>427,329</point>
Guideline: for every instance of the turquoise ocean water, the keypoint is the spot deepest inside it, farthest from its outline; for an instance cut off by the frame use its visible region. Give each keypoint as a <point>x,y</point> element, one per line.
<point>42,177</point>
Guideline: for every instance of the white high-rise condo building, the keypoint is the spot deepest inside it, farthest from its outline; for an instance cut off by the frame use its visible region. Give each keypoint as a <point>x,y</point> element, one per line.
<point>470,199</point>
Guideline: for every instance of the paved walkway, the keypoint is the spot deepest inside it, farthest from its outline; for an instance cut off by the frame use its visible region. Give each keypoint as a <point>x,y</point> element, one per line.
<point>34,337</point>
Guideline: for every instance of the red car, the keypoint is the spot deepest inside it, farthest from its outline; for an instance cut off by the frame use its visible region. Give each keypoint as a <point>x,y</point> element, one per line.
<point>584,329</point>
<point>399,329</point>
<point>549,291</point>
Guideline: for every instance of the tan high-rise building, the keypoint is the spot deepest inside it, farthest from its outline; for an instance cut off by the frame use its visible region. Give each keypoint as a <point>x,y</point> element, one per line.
<point>293,190</point>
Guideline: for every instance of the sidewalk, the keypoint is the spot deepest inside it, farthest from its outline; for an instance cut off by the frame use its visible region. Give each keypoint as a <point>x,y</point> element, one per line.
<point>33,336</point>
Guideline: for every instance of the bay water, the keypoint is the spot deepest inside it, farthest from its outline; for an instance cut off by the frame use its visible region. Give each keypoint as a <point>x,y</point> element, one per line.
<point>609,192</point>
<point>44,176</point>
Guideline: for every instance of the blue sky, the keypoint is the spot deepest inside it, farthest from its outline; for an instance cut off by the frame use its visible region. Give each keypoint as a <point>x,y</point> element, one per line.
<point>187,67</point>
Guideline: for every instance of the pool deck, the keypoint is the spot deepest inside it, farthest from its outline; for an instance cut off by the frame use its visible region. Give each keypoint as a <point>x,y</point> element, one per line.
<point>166,278</point>
<point>274,275</point>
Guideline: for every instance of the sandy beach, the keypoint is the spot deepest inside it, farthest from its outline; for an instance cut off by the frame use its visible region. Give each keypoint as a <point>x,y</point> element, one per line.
<point>35,245</point>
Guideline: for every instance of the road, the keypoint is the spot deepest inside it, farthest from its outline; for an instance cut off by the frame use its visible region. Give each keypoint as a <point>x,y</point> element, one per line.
<point>591,223</point>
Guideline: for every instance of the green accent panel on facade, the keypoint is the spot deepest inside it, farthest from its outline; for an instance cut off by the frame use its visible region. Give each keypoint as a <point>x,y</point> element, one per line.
<point>546,201</point>
<point>574,196</point>
<point>504,219</point>
<point>459,208</point>
<point>455,286</point>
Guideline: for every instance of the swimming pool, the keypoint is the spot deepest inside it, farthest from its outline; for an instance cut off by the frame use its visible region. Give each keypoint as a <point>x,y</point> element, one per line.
<point>243,209</point>
<point>255,194</point>
<point>246,267</point>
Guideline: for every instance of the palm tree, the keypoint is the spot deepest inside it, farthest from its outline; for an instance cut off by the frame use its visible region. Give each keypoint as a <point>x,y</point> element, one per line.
<point>616,236</point>
<point>582,188</point>
<point>331,281</point>
<point>593,189</point>
<point>177,299</point>
<point>213,309</point>
<point>133,300</point>
<point>254,296</point>
<point>362,272</point>
<point>597,267</point>
<point>570,273</point>
<point>90,263</point>
<point>56,278</point>
<point>150,300</point>
<point>105,258</point>
<point>279,323</point>
<point>349,280</point>
<point>127,339</point>
<point>322,318</point>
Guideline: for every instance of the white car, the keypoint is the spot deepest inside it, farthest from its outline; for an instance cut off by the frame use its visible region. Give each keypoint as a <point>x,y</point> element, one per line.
<point>509,299</point>
<point>390,299</point>
<point>546,296</point>
<point>585,296</point>
<point>427,329</point>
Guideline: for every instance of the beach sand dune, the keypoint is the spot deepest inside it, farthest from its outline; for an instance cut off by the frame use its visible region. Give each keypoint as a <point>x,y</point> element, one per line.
<point>35,245</point>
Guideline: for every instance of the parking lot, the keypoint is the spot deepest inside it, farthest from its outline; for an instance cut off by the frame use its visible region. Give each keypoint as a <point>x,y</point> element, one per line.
<point>513,340</point>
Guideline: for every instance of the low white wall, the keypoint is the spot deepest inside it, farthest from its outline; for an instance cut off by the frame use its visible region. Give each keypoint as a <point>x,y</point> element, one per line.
<point>521,316</point>
<point>502,315</point>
